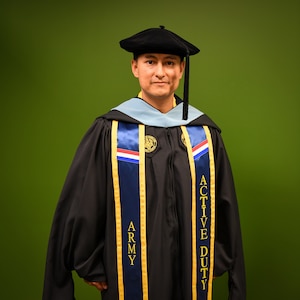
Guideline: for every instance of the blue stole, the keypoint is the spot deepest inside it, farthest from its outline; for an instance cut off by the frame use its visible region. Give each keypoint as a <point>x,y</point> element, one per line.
<point>201,159</point>
<point>129,180</point>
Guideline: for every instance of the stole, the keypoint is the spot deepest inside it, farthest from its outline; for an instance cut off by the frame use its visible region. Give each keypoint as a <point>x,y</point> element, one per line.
<point>129,180</point>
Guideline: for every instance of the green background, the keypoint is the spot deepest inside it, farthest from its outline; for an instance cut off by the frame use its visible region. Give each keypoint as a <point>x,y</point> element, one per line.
<point>61,66</point>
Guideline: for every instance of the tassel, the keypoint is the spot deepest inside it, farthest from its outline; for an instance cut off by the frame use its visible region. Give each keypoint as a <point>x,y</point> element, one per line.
<point>186,88</point>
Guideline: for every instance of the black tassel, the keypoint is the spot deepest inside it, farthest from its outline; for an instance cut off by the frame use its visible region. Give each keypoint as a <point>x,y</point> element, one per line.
<point>186,88</point>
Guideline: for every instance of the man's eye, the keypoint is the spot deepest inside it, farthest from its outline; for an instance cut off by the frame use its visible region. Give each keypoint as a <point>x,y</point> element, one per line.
<point>149,62</point>
<point>170,63</point>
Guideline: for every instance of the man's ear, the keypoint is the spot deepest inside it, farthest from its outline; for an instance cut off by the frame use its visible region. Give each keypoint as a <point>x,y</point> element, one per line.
<point>134,68</point>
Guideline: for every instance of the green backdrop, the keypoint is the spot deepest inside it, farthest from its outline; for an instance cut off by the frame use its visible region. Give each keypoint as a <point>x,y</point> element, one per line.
<point>61,66</point>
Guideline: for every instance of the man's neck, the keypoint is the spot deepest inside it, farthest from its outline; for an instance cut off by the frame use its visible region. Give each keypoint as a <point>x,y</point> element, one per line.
<point>163,105</point>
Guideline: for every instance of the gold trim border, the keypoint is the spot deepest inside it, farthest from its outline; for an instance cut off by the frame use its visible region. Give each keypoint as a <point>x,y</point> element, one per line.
<point>118,216</point>
<point>143,211</point>
<point>212,208</point>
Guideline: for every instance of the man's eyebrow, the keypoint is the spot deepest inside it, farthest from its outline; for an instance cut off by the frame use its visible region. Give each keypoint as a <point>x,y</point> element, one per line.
<point>171,57</point>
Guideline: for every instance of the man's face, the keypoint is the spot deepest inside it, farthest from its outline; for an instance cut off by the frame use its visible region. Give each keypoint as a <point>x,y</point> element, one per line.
<point>159,74</point>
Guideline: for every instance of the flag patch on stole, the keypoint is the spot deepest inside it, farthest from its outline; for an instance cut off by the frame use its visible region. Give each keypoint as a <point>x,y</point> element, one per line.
<point>200,149</point>
<point>128,155</point>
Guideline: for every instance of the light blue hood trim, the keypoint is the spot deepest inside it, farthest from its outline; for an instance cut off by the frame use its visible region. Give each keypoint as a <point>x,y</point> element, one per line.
<point>141,111</point>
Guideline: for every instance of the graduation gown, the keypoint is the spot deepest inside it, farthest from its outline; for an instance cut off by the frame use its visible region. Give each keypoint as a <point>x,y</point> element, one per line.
<point>83,235</point>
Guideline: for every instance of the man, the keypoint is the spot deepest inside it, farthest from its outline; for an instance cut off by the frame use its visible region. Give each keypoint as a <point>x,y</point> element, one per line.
<point>148,209</point>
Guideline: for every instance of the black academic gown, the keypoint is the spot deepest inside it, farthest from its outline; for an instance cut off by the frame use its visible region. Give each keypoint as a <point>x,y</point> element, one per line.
<point>83,234</point>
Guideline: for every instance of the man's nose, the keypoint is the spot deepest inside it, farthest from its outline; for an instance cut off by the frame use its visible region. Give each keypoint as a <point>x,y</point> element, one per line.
<point>160,73</point>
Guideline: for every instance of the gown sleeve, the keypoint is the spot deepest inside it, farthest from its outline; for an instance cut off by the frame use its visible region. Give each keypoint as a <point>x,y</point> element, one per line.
<point>228,244</point>
<point>77,235</point>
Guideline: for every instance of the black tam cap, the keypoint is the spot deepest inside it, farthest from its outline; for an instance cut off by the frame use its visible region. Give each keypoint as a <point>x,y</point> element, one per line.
<point>161,40</point>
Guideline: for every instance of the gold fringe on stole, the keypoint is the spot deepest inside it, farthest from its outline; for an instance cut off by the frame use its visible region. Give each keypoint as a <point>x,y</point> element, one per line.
<point>194,234</point>
<point>115,175</point>
<point>213,200</point>
<point>143,212</point>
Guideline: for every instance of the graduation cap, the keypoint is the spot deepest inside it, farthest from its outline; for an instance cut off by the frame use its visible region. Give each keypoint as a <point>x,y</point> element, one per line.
<point>161,40</point>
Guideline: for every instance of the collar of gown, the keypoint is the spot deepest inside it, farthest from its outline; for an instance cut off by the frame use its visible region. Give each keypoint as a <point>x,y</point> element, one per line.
<point>146,114</point>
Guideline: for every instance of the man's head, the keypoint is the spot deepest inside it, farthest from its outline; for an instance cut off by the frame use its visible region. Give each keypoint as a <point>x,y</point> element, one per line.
<point>156,41</point>
<point>159,76</point>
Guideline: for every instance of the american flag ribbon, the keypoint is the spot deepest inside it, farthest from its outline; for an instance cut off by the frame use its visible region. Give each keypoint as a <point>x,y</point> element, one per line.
<point>200,149</point>
<point>128,155</point>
